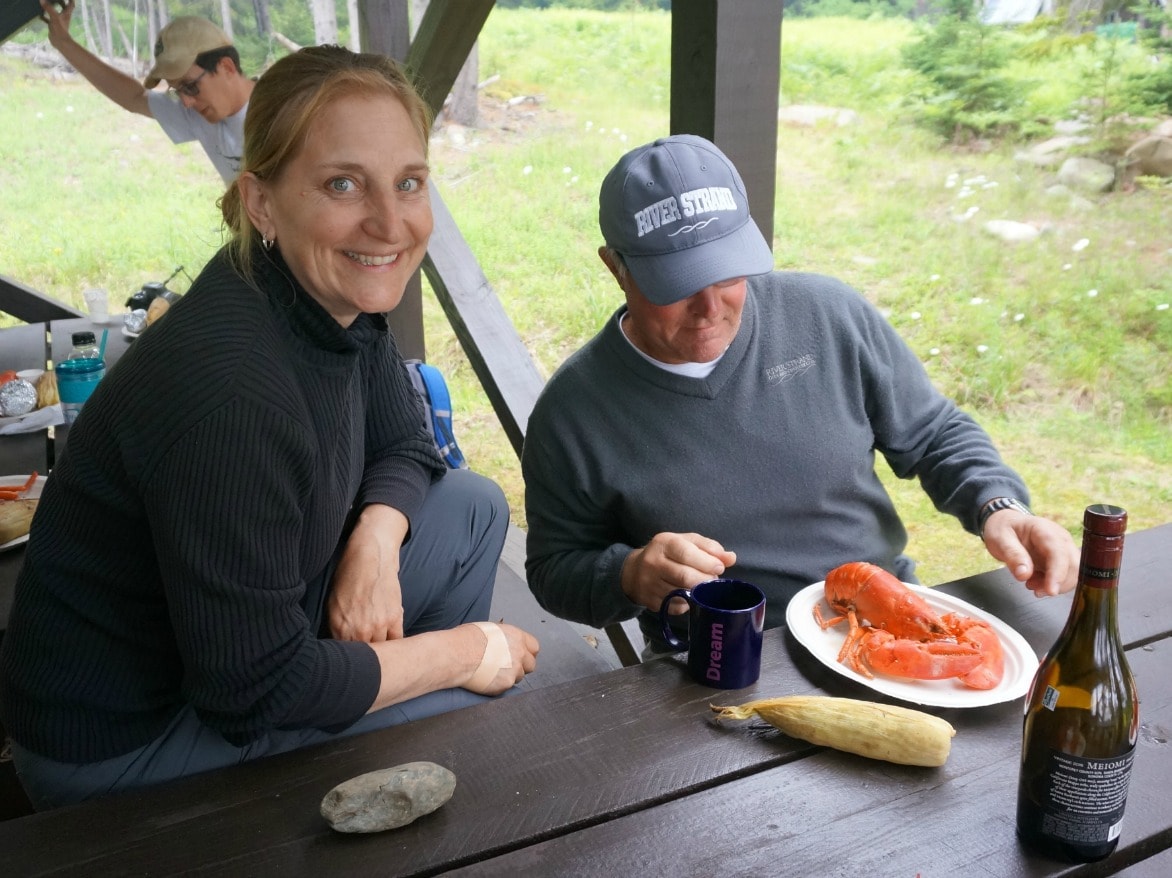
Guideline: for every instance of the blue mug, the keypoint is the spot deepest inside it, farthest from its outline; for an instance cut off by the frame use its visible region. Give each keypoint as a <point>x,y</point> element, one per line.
<point>725,621</point>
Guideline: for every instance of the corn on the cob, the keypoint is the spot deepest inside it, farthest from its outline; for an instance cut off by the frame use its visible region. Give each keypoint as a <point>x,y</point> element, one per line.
<point>47,389</point>
<point>878,731</point>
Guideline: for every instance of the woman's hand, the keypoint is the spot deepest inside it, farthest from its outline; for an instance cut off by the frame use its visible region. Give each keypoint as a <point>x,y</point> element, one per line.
<point>413,666</point>
<point>509,654</point>
<point>366,599</point>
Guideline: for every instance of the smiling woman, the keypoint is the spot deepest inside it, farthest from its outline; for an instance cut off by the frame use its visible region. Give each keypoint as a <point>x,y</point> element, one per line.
<point>350,213</point>
<point>276,601</point>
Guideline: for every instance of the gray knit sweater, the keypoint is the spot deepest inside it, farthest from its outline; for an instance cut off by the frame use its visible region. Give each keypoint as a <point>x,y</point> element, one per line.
<point>772,455</point>
<point>182,548</point>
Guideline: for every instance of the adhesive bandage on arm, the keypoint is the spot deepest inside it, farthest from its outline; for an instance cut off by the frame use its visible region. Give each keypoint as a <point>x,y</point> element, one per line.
<point>496,657</point>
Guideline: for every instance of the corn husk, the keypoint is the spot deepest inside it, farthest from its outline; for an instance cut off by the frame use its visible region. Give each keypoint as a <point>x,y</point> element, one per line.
<point>866,728</point>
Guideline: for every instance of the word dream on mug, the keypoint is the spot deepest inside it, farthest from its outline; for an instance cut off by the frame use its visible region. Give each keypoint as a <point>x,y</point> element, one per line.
<point>716,638</point>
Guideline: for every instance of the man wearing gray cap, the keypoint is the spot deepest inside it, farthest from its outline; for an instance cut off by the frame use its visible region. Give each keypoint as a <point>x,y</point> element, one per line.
<point>207,95</point>
<point>725,421</point>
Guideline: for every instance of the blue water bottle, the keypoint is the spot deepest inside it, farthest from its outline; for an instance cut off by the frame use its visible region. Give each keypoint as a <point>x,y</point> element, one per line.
<point>79,374</point>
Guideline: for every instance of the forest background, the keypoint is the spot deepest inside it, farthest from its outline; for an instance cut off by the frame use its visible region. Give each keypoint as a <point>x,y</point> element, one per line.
<point>1059,346</point>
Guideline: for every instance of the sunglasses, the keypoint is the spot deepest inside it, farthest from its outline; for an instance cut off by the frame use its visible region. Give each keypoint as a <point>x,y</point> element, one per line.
<point>188,89</point>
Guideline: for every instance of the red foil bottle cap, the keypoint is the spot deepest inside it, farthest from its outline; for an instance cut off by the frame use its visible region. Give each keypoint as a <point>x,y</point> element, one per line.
<point>1105,520</point>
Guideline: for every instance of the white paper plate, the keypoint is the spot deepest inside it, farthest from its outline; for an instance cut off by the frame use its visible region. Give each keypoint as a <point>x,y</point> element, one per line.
<point>33,492</point>
<point>1021,662</point>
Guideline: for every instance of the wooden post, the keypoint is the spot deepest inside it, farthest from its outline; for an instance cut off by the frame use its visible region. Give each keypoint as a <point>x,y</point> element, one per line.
<point>725,71</point>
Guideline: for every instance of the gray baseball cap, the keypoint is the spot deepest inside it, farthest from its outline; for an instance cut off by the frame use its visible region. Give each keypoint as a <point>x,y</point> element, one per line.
<point>677,211</point>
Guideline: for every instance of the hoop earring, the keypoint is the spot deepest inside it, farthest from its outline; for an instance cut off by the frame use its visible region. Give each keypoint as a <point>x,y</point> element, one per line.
<point>267,242</point>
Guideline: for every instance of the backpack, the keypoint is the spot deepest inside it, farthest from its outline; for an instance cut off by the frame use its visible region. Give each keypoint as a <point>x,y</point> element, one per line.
<point>437,408</point>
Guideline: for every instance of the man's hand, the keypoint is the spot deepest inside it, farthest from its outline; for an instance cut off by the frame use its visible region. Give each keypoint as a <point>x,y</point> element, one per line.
<point>1037,551</point>
<point>670,561</point>
<point>366,599</point>
<point>58,22</point>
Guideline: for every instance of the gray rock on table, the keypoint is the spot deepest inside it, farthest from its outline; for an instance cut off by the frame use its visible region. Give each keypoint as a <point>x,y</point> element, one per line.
<point>388,798</point>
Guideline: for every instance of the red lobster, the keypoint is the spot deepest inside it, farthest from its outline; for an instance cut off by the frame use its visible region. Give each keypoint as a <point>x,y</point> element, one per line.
<point>901,636</point>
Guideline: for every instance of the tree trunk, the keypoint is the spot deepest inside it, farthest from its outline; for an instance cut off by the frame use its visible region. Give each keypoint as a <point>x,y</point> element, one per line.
<point>104,30</point>
<point>264,21</point>
<point>325,21</point>
<point>162,17</point>
<point>226,18</point>
<point>86,14</point>
<point>355,28</point>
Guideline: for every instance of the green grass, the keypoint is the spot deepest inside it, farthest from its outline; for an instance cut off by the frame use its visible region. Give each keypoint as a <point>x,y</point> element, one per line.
<point>1075,388</point>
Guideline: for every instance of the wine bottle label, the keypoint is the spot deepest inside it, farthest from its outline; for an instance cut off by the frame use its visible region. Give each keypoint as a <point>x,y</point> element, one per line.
<point>1082,800</point>
<point>1099,577</point>
<point>1050,698</point>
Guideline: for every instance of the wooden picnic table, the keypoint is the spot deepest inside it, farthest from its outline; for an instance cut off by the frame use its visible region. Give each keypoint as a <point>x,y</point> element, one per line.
<point>623,772</point>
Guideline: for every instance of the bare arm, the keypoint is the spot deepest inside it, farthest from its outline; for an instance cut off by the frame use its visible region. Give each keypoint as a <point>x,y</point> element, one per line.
<point>435,660</point>
<point>123,90</point>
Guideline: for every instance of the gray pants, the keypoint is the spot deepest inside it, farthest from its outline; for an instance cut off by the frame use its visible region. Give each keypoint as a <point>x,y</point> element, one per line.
<point>447,570</point>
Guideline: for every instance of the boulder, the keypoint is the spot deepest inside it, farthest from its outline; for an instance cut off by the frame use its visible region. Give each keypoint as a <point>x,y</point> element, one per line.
<point>809,115</point>
<point>1086,174</point>
<point>1150,157</point>
<point>1012,231</point>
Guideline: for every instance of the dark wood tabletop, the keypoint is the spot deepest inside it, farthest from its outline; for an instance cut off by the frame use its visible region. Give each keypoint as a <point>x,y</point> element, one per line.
<point>624,773</point>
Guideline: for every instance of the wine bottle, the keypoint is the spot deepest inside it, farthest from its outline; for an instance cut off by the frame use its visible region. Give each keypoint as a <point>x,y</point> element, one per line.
<point>1081,714</point>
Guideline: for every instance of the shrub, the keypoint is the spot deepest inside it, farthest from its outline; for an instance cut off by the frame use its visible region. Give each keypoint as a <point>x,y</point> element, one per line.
<point>965,91</point>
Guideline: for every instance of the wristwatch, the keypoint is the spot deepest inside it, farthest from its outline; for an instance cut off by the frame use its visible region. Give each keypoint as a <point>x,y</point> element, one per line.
<point>996,505</point>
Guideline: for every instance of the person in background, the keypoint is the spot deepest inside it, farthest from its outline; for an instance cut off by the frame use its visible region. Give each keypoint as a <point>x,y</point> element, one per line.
<point>726,421</point>
<point>250,543</point>
<point>207,93</point>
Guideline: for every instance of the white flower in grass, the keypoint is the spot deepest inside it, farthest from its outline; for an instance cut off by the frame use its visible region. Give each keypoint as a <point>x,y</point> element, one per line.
<point>982,348</point>
<point>1067,267</point>
<point>567,170</point>
<point>933,278</point>
<point>1080,244</point>
<point>1092,293</point>
<point>976,300</point>
<point>992,184</point>
<point>964,193</point>
<point>935,352</point>
<point>973,181</point>
<point>915,315</point>
<point>951,181</point>
<point>528,169</point>
<point>623,138</point>
<point>1018,318</point>
<point>1163,306</point>
<point>589,124</point>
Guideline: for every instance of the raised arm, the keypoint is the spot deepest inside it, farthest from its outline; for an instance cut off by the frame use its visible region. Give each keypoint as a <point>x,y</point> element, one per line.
<point>122,89</point>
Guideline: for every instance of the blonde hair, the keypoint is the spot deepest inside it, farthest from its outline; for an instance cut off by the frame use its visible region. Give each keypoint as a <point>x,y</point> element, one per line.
<point>283,106</point>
